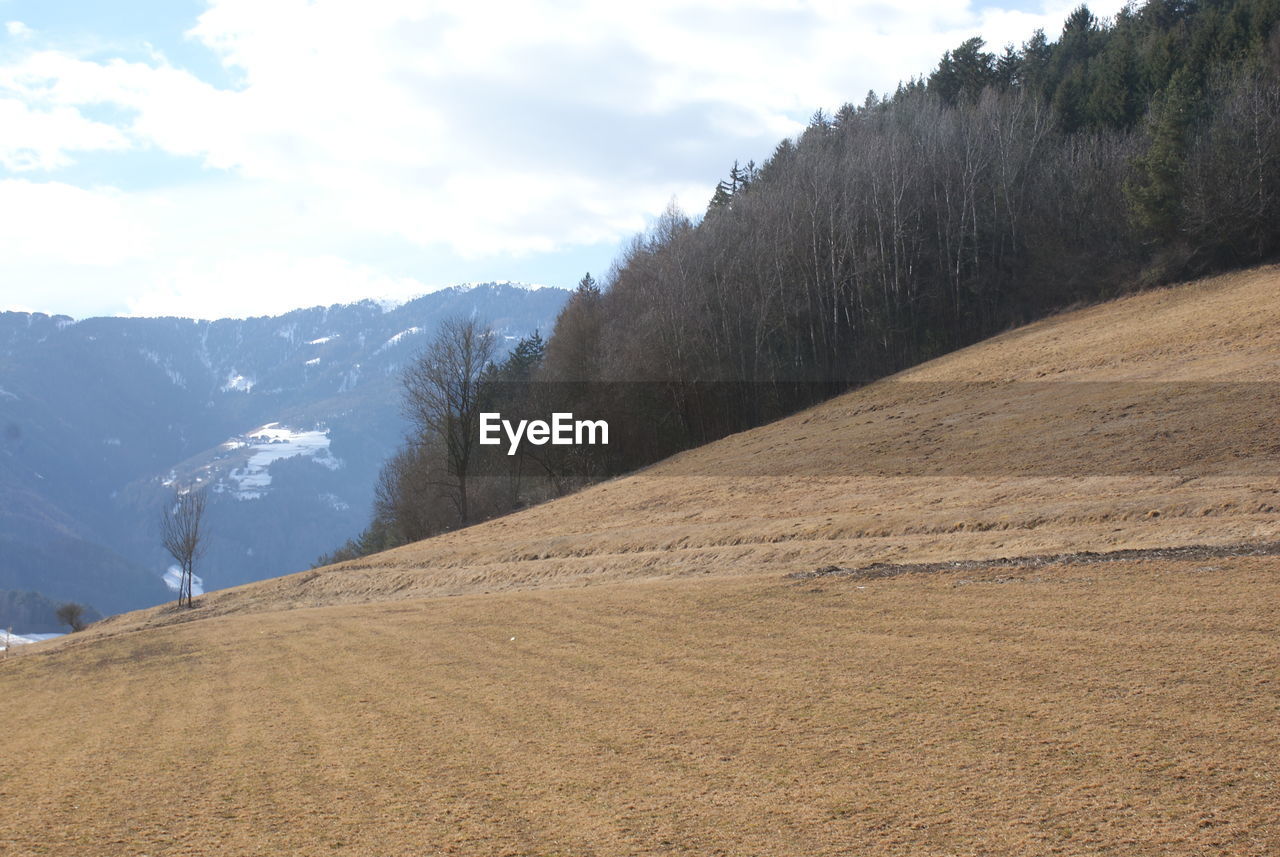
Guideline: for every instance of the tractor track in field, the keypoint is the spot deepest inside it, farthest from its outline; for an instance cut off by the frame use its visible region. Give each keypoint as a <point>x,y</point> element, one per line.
<point>879,570</point>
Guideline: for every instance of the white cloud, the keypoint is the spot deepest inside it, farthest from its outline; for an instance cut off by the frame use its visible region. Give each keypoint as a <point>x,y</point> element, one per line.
<point>42,221</point>
<point>45,139</point>
<point>488,130</point>
<point>267,284</point>
<point>162,106</point>
<point>18,30</point>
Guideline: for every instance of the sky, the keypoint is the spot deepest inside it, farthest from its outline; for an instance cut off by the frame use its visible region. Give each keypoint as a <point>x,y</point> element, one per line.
<point>215,158</point>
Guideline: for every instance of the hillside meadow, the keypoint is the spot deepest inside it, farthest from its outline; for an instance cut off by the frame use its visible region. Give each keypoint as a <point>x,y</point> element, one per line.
<point>651,667</point>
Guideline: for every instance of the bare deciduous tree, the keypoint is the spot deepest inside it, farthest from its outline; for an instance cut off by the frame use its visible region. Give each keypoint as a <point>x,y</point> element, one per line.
<point>443,398</point>
<point>71,614</point>
<point>182,537</point>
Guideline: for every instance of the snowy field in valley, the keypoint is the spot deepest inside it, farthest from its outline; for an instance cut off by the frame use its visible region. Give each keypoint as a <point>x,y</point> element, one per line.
<point>269,444</point>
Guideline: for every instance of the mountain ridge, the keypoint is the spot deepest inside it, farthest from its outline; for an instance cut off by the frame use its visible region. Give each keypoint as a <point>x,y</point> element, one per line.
<point>384,304</point>
<point>98,414</point>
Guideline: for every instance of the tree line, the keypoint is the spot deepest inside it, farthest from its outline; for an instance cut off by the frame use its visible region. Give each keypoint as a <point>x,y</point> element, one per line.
<point>998,188</point>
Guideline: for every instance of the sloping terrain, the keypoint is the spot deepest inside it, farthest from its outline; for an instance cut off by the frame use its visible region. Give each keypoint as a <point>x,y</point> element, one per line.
<point>707,693</point>
<point>99,417</point>
<point>1121,708</point>
<point>1145,422</point>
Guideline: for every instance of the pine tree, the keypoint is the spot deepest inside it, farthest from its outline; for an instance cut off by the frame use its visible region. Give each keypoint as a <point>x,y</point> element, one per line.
<point>524,359</point>
<point>1034,68</point>
<point>1008,72</point>
<point>721,198</point>
<point>587,287</point>
<point>1114,100</point>
<point>1156,194</point>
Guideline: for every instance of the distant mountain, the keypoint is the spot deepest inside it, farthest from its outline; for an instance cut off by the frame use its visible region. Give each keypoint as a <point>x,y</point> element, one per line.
<point>286,419</point>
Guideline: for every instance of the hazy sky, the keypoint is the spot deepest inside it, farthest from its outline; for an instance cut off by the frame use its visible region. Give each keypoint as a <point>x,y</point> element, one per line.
<point>243,157</point>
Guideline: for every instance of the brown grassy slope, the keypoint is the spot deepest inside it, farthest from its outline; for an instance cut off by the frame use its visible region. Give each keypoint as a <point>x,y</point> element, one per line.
<point>1144,422</point>
<point>1118,708</point>
<point>1124,708</point>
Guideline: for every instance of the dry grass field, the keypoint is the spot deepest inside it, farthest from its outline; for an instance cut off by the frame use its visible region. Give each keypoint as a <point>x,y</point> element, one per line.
<point>1125,708</point>
<point>631,670</point>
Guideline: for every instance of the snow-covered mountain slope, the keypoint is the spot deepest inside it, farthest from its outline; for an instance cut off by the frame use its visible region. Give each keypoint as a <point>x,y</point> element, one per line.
<point>286,418</point>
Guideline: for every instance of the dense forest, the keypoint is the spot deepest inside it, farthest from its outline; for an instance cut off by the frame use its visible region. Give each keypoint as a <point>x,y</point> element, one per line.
<point>1000,187</point>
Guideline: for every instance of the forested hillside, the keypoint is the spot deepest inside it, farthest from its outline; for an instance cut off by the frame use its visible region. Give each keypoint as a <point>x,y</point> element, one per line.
<point>1002,186</point>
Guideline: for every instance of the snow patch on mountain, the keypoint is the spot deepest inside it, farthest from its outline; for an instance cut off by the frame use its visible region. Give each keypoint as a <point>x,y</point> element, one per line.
<point>526,287</point>
<point>322,340</point>
<point>395,340</point>
<point>269,444</point>
<point>175,377</point>
<point>350,380</point>
<point>173,580</point>
<point>238,383</point>
<point>387,304</point>
<point>335,502</point>
<point>203,354</point>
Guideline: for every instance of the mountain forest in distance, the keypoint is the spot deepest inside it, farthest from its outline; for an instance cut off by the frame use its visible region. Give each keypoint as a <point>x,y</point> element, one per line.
<point>1003,186</point>
<point>285,420</point>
